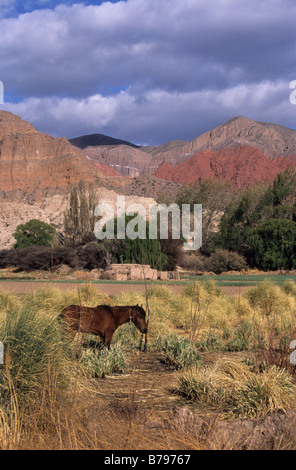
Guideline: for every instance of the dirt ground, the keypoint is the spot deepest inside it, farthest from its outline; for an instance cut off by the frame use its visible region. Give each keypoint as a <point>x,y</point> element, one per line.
<point>143,411</point>
<point>142,400</point>
<point>20,287</point>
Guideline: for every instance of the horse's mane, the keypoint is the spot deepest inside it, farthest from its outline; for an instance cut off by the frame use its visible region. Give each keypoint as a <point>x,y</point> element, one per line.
<point>106,307</point>
<point>110,307</point>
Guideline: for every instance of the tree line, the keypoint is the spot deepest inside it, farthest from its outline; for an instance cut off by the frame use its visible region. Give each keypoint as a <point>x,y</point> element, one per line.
<point>253,227</point>
<point>39,245</point>
<point>258,223</point>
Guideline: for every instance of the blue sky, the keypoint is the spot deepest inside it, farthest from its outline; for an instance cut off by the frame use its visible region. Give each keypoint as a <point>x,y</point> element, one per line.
<point>148,71</point>
<point>17,7</point>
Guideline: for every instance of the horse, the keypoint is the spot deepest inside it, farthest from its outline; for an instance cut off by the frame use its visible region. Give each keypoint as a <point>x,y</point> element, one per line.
<point>103,320</point>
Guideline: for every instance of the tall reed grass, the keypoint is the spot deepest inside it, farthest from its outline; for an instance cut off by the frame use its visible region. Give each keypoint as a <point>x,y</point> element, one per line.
<point>45,372</point>
<point>232,387</point>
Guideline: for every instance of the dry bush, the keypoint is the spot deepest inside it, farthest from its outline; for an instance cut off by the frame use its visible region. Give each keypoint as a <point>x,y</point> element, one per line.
<point>233,387</point>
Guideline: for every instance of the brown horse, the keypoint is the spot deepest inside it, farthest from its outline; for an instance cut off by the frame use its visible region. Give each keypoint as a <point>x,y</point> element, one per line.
<point>103,320</point>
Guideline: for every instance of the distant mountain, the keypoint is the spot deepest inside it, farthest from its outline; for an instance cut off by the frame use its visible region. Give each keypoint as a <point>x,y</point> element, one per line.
<point>272,140</point>
<point>242,166</point>
<point>34,165</point>
<point>97,140</point>
<point>240,150</point>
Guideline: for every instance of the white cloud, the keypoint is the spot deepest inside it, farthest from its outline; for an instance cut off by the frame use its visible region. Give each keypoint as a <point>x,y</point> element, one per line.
<point>81,49</point>
<point>159,115</point>
<point>149,70</point>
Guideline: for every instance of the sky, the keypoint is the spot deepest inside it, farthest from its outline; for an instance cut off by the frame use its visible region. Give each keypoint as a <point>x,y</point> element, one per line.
<point>147,71</point>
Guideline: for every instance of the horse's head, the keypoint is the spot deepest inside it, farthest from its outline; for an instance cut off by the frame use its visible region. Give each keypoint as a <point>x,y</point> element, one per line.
<point>138,317</point>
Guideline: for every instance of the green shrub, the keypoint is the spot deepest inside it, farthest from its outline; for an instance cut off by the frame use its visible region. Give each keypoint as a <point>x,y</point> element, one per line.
<point>289,287</point>
<point>273,243</point>
<point>34,232</point>
<point>242,337</point>
<point>99,362</point>
<point>210,342</point>
<point>179,352</point>
<point>268,298</point>
<point>224,260</point>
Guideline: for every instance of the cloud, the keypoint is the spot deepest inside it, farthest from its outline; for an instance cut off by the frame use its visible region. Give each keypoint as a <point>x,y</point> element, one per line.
<point>153,69</point>
<point>157,116</point>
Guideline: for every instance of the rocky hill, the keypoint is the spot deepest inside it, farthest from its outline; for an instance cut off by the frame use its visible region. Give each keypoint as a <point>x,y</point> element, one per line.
<point>34,165</point>
<point>125,160</point>
<point>95,140</point>
<point>240,150</point>
<point>242,166</point>
<point>271,139</point>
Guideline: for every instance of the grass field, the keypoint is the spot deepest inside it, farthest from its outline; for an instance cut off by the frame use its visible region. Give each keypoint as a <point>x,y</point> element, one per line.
<point>221,279</point>
<point>243,279</point>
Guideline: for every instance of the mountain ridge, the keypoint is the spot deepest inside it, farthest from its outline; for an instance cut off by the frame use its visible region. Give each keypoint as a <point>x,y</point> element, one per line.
<point>269,139</point>
<point>95,140</point>
<point>34,165</point>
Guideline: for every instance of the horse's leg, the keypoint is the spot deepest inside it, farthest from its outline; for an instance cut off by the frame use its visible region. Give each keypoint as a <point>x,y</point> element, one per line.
<point>108,338</point>
<point>141,341</point>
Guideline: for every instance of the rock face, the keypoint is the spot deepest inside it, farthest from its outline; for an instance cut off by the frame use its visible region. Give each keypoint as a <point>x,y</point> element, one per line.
<point>34,165</point>
<point>242,166</point>
<point>270,139</point>
<point>124,160</point>
<point>240,150</point>
<point>51,210</point>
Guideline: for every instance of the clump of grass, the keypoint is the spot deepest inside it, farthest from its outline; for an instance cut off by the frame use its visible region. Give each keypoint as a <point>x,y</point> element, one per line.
<point>32,342</point>
<point>241,338</point>
<point>289,287</point>
<point>86,294</point>
<point>8,300</point>
<point>212,288</point>
<point>180,352</point>
<point>209,342</point>
<point>273,389</point>
<point>161,292</point>
<point>99,362</point>
<point>236,389</point>
<point>268,298</point>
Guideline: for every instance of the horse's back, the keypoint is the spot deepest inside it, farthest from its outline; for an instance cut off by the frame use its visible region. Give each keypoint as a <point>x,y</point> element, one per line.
<point>89,319</point>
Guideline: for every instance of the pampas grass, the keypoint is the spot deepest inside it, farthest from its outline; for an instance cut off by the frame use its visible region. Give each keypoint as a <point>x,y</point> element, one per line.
<point>232,387</point>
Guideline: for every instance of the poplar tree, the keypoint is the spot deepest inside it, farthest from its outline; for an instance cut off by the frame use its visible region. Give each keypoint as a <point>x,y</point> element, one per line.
<point>79,218</point>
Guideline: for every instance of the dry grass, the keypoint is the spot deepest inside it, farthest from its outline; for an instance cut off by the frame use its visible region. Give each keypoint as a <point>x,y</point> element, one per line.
<point>48,396</point>
<point>231,386</point>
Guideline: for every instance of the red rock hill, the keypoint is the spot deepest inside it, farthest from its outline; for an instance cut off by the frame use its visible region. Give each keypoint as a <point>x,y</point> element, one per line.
<point>241,166</point>
<point>33,164</point>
